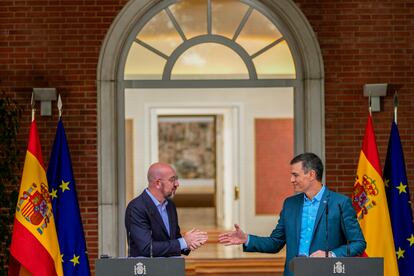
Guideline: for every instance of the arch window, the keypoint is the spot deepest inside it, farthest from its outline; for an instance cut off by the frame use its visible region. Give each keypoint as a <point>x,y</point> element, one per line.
<point>198,40</point>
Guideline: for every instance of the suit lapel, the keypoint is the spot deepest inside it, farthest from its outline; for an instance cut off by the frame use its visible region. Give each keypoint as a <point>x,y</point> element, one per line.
<point>171,219</point>
<point>321,209</point>
<point>298,215</point>
<point>153,211</point>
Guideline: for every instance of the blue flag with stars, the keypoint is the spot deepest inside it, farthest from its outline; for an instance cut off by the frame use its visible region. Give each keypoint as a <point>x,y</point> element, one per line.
<point>66,208</point>
<point>399,204</point>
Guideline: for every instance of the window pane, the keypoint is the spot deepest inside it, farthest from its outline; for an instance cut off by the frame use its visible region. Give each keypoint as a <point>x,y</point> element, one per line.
<point>222,23</point>
<point>209,61</point>
<point>143,64</point>
<point>191,16</point>
<point>161,34</point>
<point>257,33</point>
<point>275,63</point>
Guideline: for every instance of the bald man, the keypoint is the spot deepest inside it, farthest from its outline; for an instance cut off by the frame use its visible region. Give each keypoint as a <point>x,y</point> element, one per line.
<point>151,219</point>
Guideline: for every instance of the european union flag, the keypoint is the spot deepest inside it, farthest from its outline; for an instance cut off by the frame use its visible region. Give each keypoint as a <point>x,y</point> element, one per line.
<point>399,204</point>
<point>66,208</point>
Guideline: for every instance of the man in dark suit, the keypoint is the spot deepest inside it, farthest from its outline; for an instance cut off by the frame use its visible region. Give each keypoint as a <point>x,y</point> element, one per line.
<point>302,223</point>
<point>151,219</point>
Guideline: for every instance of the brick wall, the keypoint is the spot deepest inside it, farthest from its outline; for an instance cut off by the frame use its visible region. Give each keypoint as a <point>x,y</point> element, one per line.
<point>363,42</point>
<point>56,44</point>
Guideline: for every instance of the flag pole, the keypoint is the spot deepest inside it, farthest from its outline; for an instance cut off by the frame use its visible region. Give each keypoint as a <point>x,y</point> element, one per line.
<point>369,104</point>
<point>395,106</point>
<point>60,105</point>
<point>33,107</point>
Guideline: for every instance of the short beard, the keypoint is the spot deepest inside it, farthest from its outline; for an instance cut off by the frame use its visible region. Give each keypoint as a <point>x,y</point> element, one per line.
<point>171,196</point>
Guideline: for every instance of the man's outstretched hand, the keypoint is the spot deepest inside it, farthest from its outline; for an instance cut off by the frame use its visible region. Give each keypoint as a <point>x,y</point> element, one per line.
<point>234,237</point>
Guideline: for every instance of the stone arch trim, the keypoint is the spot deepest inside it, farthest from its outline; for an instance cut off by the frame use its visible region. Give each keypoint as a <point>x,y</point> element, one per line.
<point>110,222</point>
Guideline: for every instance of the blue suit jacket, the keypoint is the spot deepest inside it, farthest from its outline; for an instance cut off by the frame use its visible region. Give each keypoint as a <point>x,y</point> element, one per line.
<point>146,230</point>
<point>342,227</point>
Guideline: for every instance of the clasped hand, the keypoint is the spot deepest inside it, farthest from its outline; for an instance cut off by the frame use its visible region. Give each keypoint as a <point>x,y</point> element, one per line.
<point>195,238</point>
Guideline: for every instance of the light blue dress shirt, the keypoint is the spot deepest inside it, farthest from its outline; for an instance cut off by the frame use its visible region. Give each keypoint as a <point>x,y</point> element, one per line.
<point>310,209</point>
<point>162,209</point>
<point>309,212</point>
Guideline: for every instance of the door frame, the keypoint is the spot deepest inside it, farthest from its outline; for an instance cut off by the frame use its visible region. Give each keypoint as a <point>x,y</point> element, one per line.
<point>227,207</point>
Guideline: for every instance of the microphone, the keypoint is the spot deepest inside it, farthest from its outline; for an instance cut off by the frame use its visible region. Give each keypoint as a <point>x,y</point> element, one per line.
<point>151,213</point>
<point>129,243</point>
<point>326,229</point>
<point>344,227</point>
<point>151,245</point>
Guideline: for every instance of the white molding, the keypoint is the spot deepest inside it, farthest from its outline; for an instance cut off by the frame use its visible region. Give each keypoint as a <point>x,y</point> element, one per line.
<point>112,46</point>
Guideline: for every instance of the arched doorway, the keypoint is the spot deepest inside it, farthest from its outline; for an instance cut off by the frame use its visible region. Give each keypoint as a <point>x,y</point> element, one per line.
<point>112,82</point>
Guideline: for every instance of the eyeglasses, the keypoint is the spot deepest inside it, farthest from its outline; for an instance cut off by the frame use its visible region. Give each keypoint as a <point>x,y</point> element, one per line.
<point>173,179</point>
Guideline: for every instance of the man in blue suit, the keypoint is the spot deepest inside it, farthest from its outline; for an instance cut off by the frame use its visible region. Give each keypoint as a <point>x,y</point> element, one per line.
<point>151,219</point>
<point>302,223</point>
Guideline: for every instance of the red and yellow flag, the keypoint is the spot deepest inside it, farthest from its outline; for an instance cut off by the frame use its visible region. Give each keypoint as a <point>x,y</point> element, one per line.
<point>370,203</point>
<point>34,247</point>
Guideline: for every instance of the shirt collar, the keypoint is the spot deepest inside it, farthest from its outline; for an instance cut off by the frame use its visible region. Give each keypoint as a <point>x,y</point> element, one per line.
<point>317,197</point>
<point>156,202</point>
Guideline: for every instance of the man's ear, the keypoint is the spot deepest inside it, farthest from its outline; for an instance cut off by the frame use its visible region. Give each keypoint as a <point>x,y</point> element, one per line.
<point>158,183</point>
<point>312,174</point>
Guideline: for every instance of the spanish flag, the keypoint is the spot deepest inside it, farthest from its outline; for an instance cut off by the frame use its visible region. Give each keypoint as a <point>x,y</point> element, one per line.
<point>370,203</point>
<point>34,247</point>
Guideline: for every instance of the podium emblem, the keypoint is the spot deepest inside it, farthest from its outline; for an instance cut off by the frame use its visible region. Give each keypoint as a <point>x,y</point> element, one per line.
<point>339,268</point>
<point>140,269</point>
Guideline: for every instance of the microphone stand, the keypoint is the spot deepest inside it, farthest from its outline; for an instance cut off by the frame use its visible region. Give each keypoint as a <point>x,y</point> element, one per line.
<point>129,244</point>
<point>326,230</point>
<point>345,232</point>
<point>151,245</point>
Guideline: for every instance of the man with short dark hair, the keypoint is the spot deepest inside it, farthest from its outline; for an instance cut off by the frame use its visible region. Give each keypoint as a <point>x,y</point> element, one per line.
<point>302,223</point>
<point>151,219</point>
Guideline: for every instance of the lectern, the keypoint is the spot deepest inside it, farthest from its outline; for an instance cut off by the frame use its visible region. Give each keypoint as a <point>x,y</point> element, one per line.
<point>174,266</point>
<point>349,266</point>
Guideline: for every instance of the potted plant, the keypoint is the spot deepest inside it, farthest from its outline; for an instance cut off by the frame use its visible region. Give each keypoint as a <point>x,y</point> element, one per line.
<point>10,114</point>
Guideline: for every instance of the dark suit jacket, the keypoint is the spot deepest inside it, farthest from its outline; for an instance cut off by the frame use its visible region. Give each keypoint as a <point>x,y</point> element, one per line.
<point>342,227</point>
<point>146,230</point>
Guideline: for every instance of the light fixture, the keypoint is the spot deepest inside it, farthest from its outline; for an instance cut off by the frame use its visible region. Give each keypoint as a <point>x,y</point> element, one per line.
<point>375,91</point>
<point>45,96</point>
